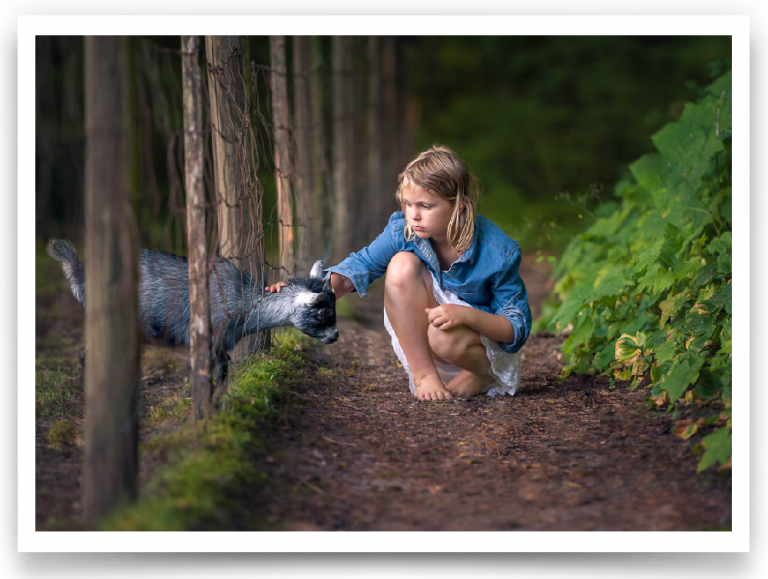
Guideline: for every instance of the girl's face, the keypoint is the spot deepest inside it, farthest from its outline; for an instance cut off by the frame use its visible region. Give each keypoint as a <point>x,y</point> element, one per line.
<point>427,213</point>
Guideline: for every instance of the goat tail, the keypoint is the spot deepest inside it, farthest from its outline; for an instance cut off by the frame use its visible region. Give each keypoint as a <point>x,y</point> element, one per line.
<point>74,270</point>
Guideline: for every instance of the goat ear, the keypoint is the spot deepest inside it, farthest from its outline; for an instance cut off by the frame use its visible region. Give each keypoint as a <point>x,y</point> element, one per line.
<point>317,270</point>
<point>328,287</point>
<point>309,299</point>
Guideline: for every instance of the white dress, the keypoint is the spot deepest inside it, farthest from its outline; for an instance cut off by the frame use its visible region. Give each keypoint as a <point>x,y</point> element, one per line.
<point>505,366</point>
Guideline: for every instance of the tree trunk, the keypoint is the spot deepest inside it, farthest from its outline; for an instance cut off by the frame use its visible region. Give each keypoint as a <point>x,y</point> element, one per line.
<point>227,99</point>
<point>283,158</point>
<point>229,79</point>
<point>194,172</point>
<point>322,178</point>
<point>375,149</point>
<point>343,131</point>
<point>392,166</point>
<point>112,320</point>
<point>361,194</point>
<point>308,217</point>
<point>137,191</point>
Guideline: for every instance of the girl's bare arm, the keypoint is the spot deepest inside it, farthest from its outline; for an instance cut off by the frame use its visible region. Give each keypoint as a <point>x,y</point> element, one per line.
<point>341,285</point>
<point>449,316</point>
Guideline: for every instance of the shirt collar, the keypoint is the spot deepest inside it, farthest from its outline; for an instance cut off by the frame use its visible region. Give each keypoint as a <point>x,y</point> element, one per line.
<point>469,255</point>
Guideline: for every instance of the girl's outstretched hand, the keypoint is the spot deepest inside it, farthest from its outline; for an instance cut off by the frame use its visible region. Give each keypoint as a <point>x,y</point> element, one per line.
<point>276,287</point>
<point>446,316</point>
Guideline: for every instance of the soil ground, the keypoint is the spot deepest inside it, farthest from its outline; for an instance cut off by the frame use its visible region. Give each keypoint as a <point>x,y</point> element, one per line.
<point>358,452</point>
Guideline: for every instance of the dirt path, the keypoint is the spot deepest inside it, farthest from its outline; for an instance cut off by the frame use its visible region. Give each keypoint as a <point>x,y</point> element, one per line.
<point>360,453</point>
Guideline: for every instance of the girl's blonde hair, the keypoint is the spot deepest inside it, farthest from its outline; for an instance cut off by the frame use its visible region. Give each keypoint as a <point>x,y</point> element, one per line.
<point>442,172</point>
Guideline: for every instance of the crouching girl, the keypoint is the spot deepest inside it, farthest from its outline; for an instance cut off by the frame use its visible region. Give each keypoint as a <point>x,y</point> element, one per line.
<point>454,303</point>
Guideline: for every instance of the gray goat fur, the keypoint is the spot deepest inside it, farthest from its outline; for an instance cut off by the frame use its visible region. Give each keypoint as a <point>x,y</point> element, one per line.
<point>238,305</point>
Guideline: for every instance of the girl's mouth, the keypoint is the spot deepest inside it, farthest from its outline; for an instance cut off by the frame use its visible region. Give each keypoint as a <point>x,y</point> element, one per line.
<point>417,228</point>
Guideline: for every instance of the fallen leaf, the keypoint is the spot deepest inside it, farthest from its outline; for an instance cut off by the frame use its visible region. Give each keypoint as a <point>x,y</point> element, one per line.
<point>661,399</point>
<point>685,431</point>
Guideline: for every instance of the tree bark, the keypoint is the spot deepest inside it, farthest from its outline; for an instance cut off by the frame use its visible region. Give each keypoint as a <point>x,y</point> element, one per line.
<point>227,101</point>
<point>375,149</point>
<point>283,157</point>
<point>112,320</point>
<point>322,177</point>
<point>194,172</point>
<point>392,166</point>
<point>343,132</point>
<point>308,229</point>
<point>229,79</point>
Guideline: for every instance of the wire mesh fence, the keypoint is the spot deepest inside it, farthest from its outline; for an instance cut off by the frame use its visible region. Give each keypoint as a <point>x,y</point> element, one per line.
<point>280,191</point>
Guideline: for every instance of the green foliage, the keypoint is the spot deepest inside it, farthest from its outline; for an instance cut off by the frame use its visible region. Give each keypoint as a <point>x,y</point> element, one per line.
<point>650,280</point>
<point>537,116</point>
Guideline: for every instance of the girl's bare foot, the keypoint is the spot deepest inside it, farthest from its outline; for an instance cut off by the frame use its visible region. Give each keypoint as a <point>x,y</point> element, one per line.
<point>468,384</point>
<point>431,388</point>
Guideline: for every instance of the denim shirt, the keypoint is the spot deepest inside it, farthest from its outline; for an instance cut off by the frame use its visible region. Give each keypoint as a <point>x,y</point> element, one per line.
<point>486,276</point>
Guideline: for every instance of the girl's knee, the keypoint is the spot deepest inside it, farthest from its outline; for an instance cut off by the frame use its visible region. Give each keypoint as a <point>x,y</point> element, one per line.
<point>451,345</point>
<point>404,267</point>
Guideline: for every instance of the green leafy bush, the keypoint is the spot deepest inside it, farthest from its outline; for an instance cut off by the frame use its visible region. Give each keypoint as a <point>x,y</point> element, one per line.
<point>646,290</point>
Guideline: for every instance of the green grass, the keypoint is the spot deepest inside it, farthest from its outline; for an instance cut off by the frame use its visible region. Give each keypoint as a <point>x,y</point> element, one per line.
<point>208,466</point>
<point>62,433</point>
<point>56,392</point>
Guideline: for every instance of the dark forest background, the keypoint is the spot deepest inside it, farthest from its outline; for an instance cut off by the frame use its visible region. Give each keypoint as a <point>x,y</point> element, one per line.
<point>548,124</point>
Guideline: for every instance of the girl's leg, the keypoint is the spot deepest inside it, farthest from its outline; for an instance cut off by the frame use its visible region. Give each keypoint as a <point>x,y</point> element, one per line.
<point>463,347</point>
<point>406,296</point>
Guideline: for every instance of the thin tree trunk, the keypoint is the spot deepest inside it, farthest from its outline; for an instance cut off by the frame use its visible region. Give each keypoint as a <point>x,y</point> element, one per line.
<point>283,158</point>
<point>112,320</point>
<point>133,142</point>
<point>361,191</point>
<point>409,111</point>
<point>229,79</point>
<point>322,177</point>
<point>222,75</point>
<point>343,131</point>
<point>375,148</point>
<point>194,171</point>
<point>308,217</point>
<point>392,166</point>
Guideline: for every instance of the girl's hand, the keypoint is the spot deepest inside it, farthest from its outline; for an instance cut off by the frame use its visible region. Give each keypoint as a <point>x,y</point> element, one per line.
<point>447,316</point>
<point>276,287</point>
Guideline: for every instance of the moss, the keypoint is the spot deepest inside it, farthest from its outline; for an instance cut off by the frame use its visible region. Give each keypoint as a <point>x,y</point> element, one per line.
<point>210,465</point>
<point>61,433</point>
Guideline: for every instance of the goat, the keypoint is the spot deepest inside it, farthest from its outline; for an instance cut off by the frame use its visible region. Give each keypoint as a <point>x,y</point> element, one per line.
<point>238,306</point>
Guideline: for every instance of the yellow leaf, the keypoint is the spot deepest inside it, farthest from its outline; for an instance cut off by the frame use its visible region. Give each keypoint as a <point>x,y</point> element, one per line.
<point>661,399</point>
<point>685,430</point>
<point>570,484</point>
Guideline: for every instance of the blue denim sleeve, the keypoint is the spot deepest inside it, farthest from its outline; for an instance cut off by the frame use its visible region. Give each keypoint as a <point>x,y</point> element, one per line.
<point>370,263</point>
<point>510,299</point>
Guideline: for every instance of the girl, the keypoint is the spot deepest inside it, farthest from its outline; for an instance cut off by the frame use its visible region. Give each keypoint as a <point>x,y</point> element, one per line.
<point>454,302</point>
